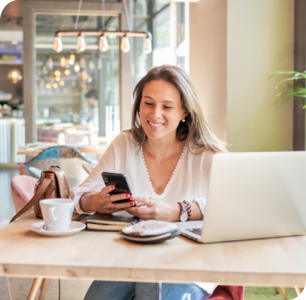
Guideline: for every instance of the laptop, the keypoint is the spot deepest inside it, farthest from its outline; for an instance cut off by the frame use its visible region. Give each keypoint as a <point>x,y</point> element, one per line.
<point>252,195</point>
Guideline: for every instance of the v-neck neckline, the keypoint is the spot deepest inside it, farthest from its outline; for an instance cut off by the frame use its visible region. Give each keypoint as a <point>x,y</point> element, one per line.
<point>172,175</point>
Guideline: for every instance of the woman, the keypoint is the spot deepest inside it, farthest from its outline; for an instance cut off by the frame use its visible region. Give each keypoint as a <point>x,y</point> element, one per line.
<point>166,157</point>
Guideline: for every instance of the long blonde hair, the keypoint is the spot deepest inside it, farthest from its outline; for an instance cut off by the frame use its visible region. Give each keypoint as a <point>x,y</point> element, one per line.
<point>195,129</point>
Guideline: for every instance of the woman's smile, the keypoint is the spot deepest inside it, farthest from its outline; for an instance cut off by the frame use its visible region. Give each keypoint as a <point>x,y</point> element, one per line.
<point>155,125</point>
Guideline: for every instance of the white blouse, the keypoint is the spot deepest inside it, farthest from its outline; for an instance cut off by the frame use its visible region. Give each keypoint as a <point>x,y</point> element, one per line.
<point>189,179</point>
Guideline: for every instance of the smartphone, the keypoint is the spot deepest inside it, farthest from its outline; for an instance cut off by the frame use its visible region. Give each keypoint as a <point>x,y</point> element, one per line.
<point>120,182</point>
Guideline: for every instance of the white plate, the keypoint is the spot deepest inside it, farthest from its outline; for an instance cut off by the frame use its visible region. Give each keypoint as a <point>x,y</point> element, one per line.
<point>75,227</point>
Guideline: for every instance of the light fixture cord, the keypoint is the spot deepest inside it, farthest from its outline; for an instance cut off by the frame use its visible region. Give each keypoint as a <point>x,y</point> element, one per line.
<point>77,19</point>
<point>103,8</point>
<point>127,15</point>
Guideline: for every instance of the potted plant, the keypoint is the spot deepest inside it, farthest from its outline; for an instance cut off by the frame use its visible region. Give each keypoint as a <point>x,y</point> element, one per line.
<point>295,90</point>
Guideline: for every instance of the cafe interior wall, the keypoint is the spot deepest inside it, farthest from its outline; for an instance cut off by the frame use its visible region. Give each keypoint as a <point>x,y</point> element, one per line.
<point>11,31</point>
<point>234,46</point>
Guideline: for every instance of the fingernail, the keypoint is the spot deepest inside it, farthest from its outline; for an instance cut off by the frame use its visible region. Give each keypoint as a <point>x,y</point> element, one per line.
<point>127,195</point>
<point>112,186</point>
<point>132,203</point>
<point>123,208</point>
<point>131,197</point>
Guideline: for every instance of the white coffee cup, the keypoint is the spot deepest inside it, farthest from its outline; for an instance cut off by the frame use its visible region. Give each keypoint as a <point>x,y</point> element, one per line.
<point>57,213</point>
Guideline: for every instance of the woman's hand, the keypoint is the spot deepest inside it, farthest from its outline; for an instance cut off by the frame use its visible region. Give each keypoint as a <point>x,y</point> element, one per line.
<point>151,209</point>
<point>102,202</point>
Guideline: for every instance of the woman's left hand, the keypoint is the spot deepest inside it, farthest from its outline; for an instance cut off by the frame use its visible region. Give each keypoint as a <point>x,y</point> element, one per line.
<point>151,209</point>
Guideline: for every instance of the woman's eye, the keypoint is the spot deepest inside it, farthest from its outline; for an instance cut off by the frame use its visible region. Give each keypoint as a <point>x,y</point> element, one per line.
<point>148,103</point>
<point>167,107</point>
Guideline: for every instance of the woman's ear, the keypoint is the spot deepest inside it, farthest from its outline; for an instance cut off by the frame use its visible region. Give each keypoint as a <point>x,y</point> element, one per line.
<point>185,114</point>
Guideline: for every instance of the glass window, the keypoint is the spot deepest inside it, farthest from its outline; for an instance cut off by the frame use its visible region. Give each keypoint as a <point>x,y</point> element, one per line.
<point>77,93</point>
<point>168,23</point>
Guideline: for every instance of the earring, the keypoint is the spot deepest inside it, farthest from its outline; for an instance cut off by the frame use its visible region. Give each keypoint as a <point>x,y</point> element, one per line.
<point>183,120</point>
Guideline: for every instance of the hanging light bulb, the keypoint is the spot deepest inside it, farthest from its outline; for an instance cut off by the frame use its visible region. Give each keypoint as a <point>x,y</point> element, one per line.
<point>125,44</point>
<point>57,73</point>
<point>67,72</point>
<point>14,75</point>
<point>71,59</point>
<point>91,64</point>
<point>103,45</point>
<point>63,61</point>
<point>81,43</point>
<point>58,46</point>
<point>77,67</point>
<point>61,83</point>
<point>48,86</point>
<point>44,70</point>
<point>147,46</point>
<point>50,62</point>
<point>55,85</point>
<point>99,63</point>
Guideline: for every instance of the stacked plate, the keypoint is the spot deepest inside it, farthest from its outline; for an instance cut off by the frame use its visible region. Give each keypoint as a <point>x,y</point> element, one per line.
<point>150,232</point>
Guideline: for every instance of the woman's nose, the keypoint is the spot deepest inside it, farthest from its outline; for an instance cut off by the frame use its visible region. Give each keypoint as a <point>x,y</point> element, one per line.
<point>156,112</point>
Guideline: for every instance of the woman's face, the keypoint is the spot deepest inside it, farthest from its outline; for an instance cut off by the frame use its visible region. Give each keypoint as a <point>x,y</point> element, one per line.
<point>160,110</point>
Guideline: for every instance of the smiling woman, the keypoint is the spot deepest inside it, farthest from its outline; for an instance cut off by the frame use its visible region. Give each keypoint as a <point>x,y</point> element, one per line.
<point>166,157</point>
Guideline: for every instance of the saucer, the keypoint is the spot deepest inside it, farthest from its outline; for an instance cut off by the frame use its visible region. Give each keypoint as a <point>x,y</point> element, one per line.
<point>75,227</point>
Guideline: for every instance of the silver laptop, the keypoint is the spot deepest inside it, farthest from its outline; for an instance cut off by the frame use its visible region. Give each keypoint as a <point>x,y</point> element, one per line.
<point>251,196</point>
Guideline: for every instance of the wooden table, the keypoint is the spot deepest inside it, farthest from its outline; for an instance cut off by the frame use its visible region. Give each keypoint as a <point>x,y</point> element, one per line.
<point>107,256</point>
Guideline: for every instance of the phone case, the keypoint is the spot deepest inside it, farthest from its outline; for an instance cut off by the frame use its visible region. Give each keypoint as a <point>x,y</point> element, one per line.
<point>120,182</point>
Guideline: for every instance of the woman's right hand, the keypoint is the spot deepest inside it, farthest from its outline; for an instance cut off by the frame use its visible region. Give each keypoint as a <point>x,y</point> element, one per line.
<point>103,202</point>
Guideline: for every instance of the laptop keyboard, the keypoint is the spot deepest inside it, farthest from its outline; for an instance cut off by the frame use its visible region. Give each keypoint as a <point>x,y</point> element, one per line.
<point>195,231</point>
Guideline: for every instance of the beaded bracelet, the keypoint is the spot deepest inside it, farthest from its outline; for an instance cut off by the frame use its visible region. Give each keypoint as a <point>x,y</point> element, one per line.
<point>187,207</point>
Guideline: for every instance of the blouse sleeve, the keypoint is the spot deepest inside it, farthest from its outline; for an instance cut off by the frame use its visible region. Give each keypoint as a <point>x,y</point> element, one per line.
<point>201,203</point>
<point>206,165</point>
<point>94,183</point>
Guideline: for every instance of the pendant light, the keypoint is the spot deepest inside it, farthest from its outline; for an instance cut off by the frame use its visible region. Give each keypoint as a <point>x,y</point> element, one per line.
<point>77,67</point>
<point>57,73</point>
<point>71,59</point>
<point>14,75</point>
<point>49,63</point>
<point>125,44</point>
<point>58,46</point>
<point>147,46</point>
<point>63,61</point>
<point>81,43</point>
<point>103,45</point>
<point>91,64</point>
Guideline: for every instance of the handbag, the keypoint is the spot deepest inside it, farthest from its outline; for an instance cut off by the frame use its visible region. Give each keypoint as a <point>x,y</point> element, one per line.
<point>51,184</point>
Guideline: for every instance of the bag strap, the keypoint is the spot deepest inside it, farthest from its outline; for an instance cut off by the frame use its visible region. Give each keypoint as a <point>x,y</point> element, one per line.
<point>39,193</point>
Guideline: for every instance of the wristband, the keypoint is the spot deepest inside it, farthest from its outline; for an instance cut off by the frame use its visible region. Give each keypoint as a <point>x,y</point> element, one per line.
<point>187,208</point>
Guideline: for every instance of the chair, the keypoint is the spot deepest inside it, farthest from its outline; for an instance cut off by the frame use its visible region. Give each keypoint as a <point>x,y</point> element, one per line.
<point>68,158</point>
<point>22,188</point>
<point>228,292</point>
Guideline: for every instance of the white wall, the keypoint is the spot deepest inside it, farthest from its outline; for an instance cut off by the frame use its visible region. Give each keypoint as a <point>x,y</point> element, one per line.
<point>207,69</point>
<point>259,42</point>
<point>234,46</point>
